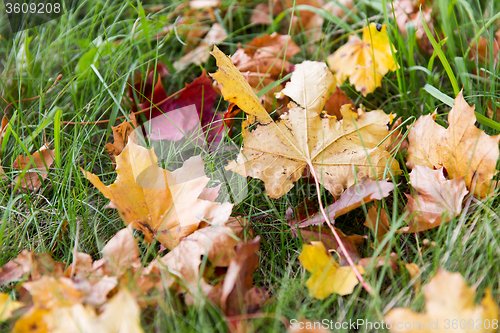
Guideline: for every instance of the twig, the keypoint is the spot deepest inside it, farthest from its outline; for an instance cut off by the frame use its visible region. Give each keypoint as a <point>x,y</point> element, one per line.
<point>122,117</point>
<point>337,238</point>
<point>34,98</point>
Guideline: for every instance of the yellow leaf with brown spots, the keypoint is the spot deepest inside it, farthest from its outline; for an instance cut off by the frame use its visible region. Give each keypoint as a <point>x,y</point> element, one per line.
<point>365,61</point>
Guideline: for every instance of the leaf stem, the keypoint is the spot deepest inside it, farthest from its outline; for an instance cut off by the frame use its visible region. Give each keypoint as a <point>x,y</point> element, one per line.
<point>337,238</point>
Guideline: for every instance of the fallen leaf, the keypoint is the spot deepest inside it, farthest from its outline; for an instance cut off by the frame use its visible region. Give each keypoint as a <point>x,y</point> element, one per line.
<point>310,85</point>
<point>190,113</point>
<point>48,292</point>
<point>265,60</point>
<point>327,276</point>
<point>164,205</point>
<point>120,136</point>
<point>338,9</point>
<point>201,53</point>
<point>379,224</point>
<point>413,12</point>
<point>335,102</point>
<point>414,272</point>
<point>462,149</point>
<point>438,200</point>
<point>8,306</point>
<point>34,172</point>
<point>358,194</point>
<point>239,278</point>
<point>302,137</point>
<point>216,242</point>
<point>448,299</point>
<point>31,266</point>
<point>121,253</point>
<point>365,61</point>
<point>324,235</point>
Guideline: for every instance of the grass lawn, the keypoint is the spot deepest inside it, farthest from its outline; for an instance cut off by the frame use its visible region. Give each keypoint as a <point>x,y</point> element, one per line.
<point>101,46</point>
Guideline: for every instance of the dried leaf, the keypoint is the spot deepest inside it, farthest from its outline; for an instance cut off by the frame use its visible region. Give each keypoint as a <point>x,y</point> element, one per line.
<point>360,193</point>
<point>436,197</point>
<point>335,102</point>
<point>189,114</point>
<point>327,276</point>
<point>413,12</point>
<point>302,137</point>
<point>239,278</point>
<point>162,204</point>
<point>447,299</point>
<point>462,149</point>
<point>310,85</point>
<point>379,228</point>
<point>365,61</point>
<point>121,253</point>
<point>414,272</point>
<point>34,173</point>
<point>30,265</point>
<point>120,136</point>
<point>201,53</point>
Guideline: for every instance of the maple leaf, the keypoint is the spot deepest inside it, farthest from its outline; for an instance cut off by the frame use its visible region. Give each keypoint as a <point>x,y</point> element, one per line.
<point>164,205</point>
<point>264,60</point>
<point>327,276</point>
<point>35,169</point>
<point>216,242</point>
<point>480,50</point>
<point>436,197</point>
<point>278,152</point>
<point>462,149</point>
<point>30,265</point>
<point>181,116</point>
<point>448,299</point>
<point>365,61</point>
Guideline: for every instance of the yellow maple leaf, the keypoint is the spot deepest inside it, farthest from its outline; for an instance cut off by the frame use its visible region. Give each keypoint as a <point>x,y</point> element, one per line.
<point>462,149</point>
<point>7,306</point>
<point>340,151</point>
<point>450,308</point>
<point>162,204</point>
<point>327,276</point>
<point>365,61</point>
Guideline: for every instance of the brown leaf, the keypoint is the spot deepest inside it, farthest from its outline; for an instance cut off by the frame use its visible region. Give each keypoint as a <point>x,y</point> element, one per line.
<point>215,242</point>
<point>120,136</point>
<point>408,11</point>
<point>30,265</point>
<point>162,204</point>
<point>264,60</point>
<point>121,253</point>
<point>34,173</point>
<point>436,197</point>
<point>462,149</point>
<point>334,103</point>
<point>379,224</point>
<point>239,278</point>
<point>361,193</point>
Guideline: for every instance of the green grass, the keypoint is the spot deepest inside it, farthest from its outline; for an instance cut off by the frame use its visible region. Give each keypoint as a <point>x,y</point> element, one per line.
<point>83,47</point>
